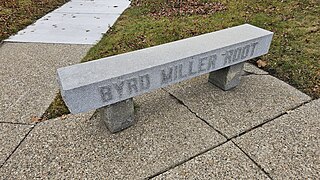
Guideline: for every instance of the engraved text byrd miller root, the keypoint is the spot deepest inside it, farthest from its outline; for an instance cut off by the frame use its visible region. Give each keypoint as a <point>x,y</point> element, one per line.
<point>173,73</point>
<point>109,80</point>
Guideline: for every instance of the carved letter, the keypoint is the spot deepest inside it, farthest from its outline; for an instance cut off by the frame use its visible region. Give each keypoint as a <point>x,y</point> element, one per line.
<point>181,75</point>
<point>253,48</point>
<point>237,54</point>
<point>245,51</point>
<point>132,85</point>
<point>212,62</point>
<point>175,73</point>
<point>166,77</point>
<point>119,88</point>
<point>144,82</point>
<point>201,64</point>
<point>228,57</point>
<point>191,68</point>
<point>106,93</point>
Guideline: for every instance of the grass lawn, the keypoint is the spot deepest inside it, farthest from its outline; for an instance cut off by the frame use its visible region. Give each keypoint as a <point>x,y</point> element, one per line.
<point>16,14</point>
<point>294,55</point>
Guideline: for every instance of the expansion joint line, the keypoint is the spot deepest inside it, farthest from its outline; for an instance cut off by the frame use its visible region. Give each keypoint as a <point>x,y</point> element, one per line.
<point>258,165</point>
<point>269,120</point>
<point>184,161</point>
<point>182,103</point>
<point>228,139</point>
<point>15,149</point>
<point>15,123</point>
<point>260,125</point>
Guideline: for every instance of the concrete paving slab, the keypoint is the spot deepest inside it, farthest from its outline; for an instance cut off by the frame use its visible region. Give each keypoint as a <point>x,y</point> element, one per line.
<point>67,28</point>
<point>289,146</point>
<point>66,19</point>
<point>76,22</point>
<point>10,137</point>
<point>97,7</point>
<point>166,133</point>
<point>223,162</point>
<point>7,95</point>
<point>28,77</point>
<point>257,99</point>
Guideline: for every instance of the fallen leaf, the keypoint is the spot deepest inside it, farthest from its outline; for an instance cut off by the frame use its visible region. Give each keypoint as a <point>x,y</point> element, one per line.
<point>63,117</point>
<point>261,63</point>
<point>35,119</point>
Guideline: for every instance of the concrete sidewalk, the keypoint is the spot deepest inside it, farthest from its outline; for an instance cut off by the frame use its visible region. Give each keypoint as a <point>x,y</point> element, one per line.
<point>263,129</point>
<point>30,58</point>
<point>76,22</point>
<point>28,77</point>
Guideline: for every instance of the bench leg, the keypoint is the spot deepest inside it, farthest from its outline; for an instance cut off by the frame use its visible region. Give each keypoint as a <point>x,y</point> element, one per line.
<point>118,116</point>
<point>227,78</point>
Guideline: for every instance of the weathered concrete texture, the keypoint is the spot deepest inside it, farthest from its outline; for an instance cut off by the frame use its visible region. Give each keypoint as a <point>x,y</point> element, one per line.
<point>249,68</point>
<point>28,77</point>
<point>289,146</point>
<point>10,137</point>
<point>78,147</point>
<point>257,99</point>
<point>223,162</point>
<point>118,116</point>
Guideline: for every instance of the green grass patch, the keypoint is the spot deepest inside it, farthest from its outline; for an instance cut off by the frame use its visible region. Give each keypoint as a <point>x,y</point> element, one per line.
<point>16,14</point>
<point>56,109</point>
<point>294,53</point>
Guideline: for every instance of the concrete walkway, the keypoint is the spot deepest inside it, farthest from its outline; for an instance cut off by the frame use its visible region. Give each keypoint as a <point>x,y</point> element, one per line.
<point>76,22</point>
<point>263,129</point>
<point>28,77</point>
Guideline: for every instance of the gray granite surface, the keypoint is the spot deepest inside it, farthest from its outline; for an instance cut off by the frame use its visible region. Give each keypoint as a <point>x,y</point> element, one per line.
<point>105,81</point>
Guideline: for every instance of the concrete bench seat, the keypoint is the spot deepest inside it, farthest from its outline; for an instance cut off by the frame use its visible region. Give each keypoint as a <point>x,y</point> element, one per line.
<point>110,83</point>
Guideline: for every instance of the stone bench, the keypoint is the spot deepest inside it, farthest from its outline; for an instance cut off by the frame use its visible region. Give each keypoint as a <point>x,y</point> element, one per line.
<point>109,84</point>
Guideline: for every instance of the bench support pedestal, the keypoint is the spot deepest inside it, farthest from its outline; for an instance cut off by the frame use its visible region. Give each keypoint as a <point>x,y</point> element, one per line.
<point>118,116</point>
<point>227,78</point>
